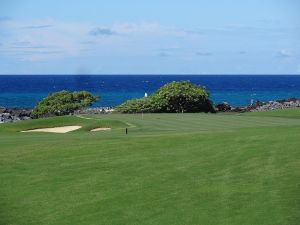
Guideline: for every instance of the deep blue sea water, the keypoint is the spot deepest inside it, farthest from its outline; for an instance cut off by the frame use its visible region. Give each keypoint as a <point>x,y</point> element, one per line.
<point>27,90</point>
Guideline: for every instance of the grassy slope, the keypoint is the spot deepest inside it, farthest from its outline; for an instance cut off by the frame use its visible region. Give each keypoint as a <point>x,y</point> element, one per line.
<point>169,169</point>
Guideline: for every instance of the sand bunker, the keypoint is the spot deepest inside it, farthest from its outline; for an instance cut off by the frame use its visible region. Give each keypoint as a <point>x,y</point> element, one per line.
<point>60,130</point>
<point>101,129</point>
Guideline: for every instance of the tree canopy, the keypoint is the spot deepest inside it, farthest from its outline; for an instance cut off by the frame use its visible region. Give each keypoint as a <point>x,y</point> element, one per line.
<point>63,103</point>
<point>173,97</point>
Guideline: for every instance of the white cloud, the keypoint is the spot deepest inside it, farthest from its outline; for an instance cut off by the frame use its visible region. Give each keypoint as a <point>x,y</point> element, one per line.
<point>47,39</point>
<point>39,40</point>
<point>284,53</point>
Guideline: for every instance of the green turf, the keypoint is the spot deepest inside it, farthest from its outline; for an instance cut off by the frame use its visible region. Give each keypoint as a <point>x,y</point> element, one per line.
<point>169,169</point>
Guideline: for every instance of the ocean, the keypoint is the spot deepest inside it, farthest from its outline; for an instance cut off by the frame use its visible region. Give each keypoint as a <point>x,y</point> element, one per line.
<point>25,91</point>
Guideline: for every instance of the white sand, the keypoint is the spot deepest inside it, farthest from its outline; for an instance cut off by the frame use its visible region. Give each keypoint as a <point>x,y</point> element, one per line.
<point>101,129</point>
<point>60,130</point>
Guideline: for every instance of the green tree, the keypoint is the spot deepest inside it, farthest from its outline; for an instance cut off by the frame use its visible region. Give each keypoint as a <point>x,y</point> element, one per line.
<point>63,103</point>
<point>182,96</point>
<point>173,97</point>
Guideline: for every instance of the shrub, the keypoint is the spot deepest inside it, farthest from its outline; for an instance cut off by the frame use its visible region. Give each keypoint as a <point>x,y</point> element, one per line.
<point>173,97</point>
<point>63,103</point>
<point>136,106</point>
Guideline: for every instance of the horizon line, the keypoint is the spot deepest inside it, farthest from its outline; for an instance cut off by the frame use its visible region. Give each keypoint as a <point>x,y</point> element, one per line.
<point>154,74</point>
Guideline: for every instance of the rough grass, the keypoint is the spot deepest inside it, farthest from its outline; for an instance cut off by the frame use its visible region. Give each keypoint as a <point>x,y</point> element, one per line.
<point>169,169</point>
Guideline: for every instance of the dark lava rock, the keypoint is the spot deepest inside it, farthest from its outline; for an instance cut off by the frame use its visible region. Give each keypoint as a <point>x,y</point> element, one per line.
<point>224,107</point>
<point>2,110</point>
<point>15,114</point>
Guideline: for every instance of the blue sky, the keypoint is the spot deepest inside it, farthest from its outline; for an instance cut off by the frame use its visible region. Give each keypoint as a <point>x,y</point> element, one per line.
<point>150,37</point>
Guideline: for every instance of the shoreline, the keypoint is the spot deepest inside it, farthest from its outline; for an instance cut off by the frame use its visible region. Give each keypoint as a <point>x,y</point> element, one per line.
<point>8,115</point>
<point>259,106</point>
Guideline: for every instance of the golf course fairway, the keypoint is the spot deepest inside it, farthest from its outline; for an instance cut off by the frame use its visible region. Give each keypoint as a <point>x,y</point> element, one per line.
<point>175,169</point>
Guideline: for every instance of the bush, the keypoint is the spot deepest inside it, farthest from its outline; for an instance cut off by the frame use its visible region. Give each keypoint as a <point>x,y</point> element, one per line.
<point>173,97</point>
<point>137,106</point>
<point>63,103</point>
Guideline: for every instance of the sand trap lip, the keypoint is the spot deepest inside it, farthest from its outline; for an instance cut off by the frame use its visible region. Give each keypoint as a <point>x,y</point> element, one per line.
<point>101,129</point>
<point>61,130</point>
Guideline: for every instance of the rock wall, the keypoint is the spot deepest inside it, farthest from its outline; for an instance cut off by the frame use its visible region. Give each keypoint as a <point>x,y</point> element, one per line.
<point>280,104</point>
<point>261,106</point>
<point>99,110</point>
<point>13,115</point>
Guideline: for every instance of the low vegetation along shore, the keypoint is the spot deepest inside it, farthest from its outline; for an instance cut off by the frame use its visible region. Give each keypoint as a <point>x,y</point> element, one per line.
<point>18,114</point>
<point>174,97</point>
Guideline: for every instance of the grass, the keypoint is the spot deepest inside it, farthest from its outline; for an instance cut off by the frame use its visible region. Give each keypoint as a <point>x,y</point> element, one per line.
<point>169,169</point>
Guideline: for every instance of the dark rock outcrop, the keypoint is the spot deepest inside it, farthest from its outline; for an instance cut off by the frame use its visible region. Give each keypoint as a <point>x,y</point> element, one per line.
<point>261,106</point>
<point>99,110</point>
<point>13,115</point>
<point>223,107</point>
<point>2,109</point>
<point>279,104</point>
